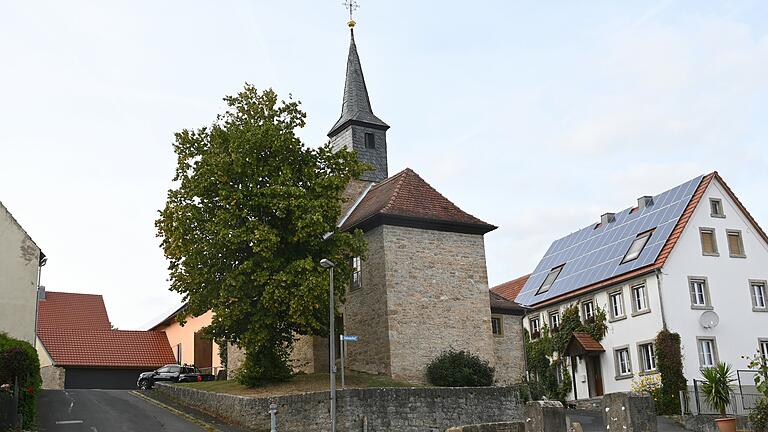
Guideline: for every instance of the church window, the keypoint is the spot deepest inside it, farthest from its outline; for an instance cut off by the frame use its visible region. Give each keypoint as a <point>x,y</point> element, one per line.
<point>357,273</point>
<point>549,280</point>
<point>370,140</point>
<point>497,326</point>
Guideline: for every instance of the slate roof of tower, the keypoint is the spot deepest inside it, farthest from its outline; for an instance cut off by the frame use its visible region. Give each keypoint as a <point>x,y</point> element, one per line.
<point>591,257</point>
<point>406,199</point>
<point>356,106</point>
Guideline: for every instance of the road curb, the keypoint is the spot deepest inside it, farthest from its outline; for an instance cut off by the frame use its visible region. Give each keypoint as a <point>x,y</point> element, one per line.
<point>207,426</point>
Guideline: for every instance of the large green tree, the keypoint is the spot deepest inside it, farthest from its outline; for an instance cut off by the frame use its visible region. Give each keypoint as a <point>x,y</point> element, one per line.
<point>247,224</point>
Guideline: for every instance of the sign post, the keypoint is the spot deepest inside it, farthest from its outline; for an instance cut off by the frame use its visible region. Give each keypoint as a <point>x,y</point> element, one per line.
<point>343,339</point>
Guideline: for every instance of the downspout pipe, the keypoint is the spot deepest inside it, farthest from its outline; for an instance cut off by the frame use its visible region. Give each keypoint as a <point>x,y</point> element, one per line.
<point>659,277</point>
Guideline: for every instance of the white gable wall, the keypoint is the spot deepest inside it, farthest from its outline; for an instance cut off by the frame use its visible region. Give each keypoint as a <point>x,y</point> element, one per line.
<point>728,280</point>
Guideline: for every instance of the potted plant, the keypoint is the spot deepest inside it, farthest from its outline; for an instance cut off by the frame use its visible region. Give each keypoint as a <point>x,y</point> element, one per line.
<point>717,393</point>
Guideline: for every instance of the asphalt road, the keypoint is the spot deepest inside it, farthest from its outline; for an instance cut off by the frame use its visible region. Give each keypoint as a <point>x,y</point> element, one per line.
<point>592,421</point>
<point>105,411</point>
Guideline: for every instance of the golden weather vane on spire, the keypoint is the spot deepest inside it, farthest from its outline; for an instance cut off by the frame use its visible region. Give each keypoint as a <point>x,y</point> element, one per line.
<point>352,6</point>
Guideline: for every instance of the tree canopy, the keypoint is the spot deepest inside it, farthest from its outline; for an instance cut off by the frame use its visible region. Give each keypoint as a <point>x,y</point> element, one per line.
<point>246,226</point>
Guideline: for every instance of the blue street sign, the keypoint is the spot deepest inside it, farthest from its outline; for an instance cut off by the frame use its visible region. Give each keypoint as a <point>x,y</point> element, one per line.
<point>349,338</point>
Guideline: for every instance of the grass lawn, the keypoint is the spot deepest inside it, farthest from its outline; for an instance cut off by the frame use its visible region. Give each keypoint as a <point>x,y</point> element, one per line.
<point>299,384</point>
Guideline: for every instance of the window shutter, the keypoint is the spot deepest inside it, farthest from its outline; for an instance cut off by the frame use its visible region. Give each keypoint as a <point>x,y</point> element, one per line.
<point>707,241</point>
<point>734,244</point>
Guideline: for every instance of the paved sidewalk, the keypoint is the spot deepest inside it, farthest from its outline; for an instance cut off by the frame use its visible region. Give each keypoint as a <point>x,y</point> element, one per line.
<point>592,421</point>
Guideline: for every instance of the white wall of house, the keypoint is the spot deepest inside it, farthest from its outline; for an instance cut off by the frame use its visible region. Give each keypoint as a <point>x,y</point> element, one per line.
<point>627,331</point>
<point>19,264</point>
<point>728,281</point>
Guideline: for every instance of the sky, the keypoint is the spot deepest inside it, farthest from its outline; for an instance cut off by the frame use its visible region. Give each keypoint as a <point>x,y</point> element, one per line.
<point>534,116</point>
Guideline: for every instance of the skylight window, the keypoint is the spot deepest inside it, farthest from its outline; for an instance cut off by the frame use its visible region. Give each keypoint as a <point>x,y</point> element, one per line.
<point>637,246</point>
<point>549,280</point>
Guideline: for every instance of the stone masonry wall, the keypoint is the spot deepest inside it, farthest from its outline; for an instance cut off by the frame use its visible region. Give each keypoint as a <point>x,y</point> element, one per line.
<point>365,312</point>
<point>53,377</point>
<point>437,298</point>
<point>383,409</point>
<point>235,359</point>
<point>509,349</point>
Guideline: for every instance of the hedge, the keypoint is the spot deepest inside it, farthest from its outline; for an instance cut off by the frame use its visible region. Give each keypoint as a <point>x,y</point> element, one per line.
<point>18,359</point>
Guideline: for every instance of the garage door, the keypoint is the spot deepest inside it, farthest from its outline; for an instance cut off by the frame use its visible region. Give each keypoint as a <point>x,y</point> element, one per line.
<point>75,378</point>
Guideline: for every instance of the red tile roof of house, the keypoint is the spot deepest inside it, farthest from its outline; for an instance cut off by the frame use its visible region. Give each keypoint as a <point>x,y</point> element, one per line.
<point>503,306</point>
<point>107,348</point>
<point>510,290</point>
<point>75,331</point>
<point>584,343</point>
<point>406,199</point>
<point>72,310</point>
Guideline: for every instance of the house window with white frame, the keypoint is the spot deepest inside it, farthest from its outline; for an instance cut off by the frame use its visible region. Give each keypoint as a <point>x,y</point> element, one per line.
<point>716,208</point>
<point>699,293</point>
<point>587,310</point>
<point>763,346</point>
<point>535,326</point>
<point>617,304</point>
<point>647,357</point>
<point>735,244</point>
<point>757,292</point>
<point>637,246</point>
<point>639,299</point>
<point>623,363</point>
<point>554,320</point>
<point>357,273</point>
<point>708,242</point>
<point>707,352</point>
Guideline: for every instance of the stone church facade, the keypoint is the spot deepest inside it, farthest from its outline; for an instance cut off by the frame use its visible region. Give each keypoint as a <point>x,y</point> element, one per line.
<point>423,286</point>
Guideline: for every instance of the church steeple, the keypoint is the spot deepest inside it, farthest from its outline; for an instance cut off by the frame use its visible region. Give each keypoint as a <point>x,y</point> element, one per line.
<point>358,129</point>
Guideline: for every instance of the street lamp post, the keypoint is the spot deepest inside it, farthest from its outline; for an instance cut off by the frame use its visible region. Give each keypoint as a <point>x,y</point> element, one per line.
<point>332,342</point>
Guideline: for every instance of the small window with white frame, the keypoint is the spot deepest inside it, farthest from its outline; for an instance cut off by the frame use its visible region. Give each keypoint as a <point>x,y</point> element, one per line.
<point>708,242</point>
<point>639,299</point>
<point>623,362</point>
<point>357,273</point>
<point>587,310</point>
<point>554,320</point>
<point>707,352</point>
<point>497,325</point>
<point>716,207</point>
<point>763,348</point>
<point>699,289</point>
<point>535,325</point>
<point>757,291</point>
<point>735,244</point>
<point>549,280</point>
<point>616,303</point>
<point>637,246</point>
<point>647,354</point>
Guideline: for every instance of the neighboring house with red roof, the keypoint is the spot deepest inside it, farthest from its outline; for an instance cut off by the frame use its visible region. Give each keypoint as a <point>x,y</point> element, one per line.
<point>20,263</point>
<point>79,349</point>
<point>691,259</point>
<point>423,286</point>
<point>188,341</point>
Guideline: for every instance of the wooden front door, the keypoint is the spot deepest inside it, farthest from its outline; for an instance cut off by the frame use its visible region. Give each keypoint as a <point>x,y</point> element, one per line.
<point>594,376</point>
<point>203,351</point>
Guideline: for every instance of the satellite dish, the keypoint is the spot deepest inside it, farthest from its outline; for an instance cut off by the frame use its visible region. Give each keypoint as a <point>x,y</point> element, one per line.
<point>709,319</point>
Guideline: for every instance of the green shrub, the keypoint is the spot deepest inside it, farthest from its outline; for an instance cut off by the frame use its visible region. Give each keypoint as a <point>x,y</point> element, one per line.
<point>459,369</point>
<point>264,366</point>
<point>669,360</point>
<point>18,359</point>
<point>759,416</point>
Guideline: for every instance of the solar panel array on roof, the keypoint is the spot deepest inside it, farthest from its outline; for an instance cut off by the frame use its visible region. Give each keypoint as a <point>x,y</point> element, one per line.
<point>593,254</point>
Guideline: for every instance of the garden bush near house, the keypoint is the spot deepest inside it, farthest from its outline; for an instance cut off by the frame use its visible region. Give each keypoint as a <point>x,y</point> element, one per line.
<point>758,417</point>
<point>669,361</point>
<point>649,384</point>
<point>18,360</point>
<point>459,369</point>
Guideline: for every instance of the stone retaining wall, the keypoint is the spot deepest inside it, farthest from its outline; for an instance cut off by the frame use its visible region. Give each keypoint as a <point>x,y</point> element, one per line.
<point>490,427</point>
<point>382,409</point>
<point>53,377</point>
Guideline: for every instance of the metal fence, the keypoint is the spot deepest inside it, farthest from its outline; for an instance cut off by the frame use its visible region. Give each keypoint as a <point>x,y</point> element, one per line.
<point>744,396</point>
<point>9,406</point>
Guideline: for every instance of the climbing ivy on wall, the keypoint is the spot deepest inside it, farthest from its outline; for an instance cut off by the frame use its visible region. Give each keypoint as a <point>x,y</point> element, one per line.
<point>669,361</point>
<point>543,354</point>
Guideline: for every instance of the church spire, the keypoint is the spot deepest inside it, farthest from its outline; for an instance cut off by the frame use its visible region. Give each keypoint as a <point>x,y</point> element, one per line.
<point>358,129</point>
<point>356,105</point>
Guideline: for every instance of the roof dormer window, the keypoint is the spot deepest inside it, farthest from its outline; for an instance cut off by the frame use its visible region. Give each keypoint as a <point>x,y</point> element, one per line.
<point>637,246</point>
<point>549,280</point>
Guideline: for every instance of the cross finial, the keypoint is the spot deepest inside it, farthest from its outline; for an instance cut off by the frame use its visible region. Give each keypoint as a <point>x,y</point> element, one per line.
<point>352,6</point>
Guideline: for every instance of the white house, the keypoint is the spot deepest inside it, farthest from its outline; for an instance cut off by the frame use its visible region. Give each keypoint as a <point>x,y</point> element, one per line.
<point>691,259</point>
<point>20,262</point>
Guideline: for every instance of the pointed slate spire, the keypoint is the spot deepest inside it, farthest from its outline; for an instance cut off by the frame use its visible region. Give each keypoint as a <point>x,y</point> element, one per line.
<point>356,106</point>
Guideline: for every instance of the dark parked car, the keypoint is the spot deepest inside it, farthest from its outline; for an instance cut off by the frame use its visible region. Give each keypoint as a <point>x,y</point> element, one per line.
<point>172,372</point>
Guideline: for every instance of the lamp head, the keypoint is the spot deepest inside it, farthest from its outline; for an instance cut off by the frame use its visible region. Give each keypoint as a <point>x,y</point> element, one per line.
<point>324,263</point>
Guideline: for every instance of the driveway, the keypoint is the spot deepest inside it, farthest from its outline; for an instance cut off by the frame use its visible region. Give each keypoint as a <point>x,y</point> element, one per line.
<point>592,421</point>
<point>106,411</point>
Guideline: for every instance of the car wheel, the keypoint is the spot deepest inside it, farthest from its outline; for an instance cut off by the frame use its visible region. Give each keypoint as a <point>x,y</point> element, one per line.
<point>144,385</point>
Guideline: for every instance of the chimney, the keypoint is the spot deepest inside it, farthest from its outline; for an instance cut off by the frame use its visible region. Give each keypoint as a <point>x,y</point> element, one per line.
<point>607,218</point>
<point>644,201</point>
